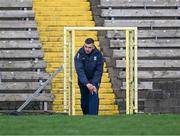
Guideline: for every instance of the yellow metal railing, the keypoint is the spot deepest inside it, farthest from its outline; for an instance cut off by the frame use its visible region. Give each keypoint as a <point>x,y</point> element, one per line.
<point>131,66</point>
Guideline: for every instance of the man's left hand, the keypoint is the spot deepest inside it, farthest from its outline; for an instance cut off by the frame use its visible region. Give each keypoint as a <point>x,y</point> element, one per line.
<point>94,89</point>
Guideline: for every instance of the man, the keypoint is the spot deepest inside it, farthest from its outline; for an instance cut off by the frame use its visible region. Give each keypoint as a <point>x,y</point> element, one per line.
<point>89,67</point>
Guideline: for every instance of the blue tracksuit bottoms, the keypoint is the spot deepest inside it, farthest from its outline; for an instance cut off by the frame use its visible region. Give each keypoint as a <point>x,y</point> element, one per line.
<point>89,101</point>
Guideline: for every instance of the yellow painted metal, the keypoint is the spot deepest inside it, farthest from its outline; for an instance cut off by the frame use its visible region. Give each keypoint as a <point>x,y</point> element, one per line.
<point>65,71</point>
<point>99,28</point>
<point>127,73</point>
<point>131,73</point>
<point>136,70</point>
<point>73,74</point>
<point>131,86</point>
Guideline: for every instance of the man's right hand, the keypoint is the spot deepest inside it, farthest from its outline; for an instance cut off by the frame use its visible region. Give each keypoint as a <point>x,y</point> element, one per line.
<point>91,88</point>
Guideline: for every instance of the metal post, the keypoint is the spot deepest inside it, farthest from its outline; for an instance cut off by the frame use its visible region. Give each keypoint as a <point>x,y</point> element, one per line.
<point>131,75</point>
<point>73,73</point>
<point>70,73</point>
<point>136,70</point>
<point>65,71</point>
<point>127,73</point>
<point>45,104</point>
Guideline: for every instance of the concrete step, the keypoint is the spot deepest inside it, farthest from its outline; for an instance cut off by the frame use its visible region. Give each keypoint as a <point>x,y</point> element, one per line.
<point>49,1</point>
<point>152,75</point>
<point>60,50</point>
<point>61,4</point>
<point>8,87</point>
<point>22,65</point>
<point>60,80</point>
<point>140,13</point>
<point>101,96</point>
<point>141,86</point>
<point>152,64</point>
<point>65,23</point>
<point>61,33</point>
<point>58,38</point>
<point>52,70</point>
<point>60,88</point>
<point>78,102</point>
<point>102,90</point>
<point>77,87</point>
<point>148,34</point>
<point>44,9</point>
<point>112,112</point>
<point>20,44</point>
<point>14,97</point>
<point>104,85</point>
<point>15,3</point>
<point>17,24</point>
<point>63,18</point>
<point>58,64</point>
<point>61,44</point>
<point>18,54</point>
<point>151,53</point>
<point>19,35</point>
<point>149,43</point>
<point>54,60</point>
<point>143,23</point>
<point>101,112</point>
<point>17,14</point>
<point>78,107</point>
<point>62,75</point>
<point>139,3</point>
<point>64,13</point>
<point>54,66</point>
<point>23,76</point>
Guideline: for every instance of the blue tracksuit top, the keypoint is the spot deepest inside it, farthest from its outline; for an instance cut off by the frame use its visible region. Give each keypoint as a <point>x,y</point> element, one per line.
<point>89,67</point>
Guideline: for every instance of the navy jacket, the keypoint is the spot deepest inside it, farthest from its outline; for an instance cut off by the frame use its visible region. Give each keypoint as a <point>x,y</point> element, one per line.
<point>89,67</point>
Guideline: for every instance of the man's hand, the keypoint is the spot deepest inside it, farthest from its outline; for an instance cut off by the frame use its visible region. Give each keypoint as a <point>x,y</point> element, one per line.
<point>91,88</point>
<point>94,89</point>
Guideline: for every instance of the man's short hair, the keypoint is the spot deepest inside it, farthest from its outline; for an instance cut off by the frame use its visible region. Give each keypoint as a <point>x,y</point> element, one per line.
<point>89,41</point>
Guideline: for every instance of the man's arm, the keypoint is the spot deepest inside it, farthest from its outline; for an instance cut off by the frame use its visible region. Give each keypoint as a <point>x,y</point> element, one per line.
<point>80,70</point>
<point>99,70</point>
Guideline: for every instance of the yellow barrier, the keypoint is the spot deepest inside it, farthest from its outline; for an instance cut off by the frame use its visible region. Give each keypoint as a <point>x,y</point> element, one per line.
<point>131,66</point>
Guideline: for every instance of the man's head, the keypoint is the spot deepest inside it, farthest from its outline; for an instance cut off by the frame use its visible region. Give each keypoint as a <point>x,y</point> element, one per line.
<point>89,45</point>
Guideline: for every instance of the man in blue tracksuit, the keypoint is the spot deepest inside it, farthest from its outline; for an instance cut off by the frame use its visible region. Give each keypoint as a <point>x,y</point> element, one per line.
<point>89,67</point>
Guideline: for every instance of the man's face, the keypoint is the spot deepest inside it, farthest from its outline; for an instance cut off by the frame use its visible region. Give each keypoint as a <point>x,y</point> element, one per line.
<point>88,48</point>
